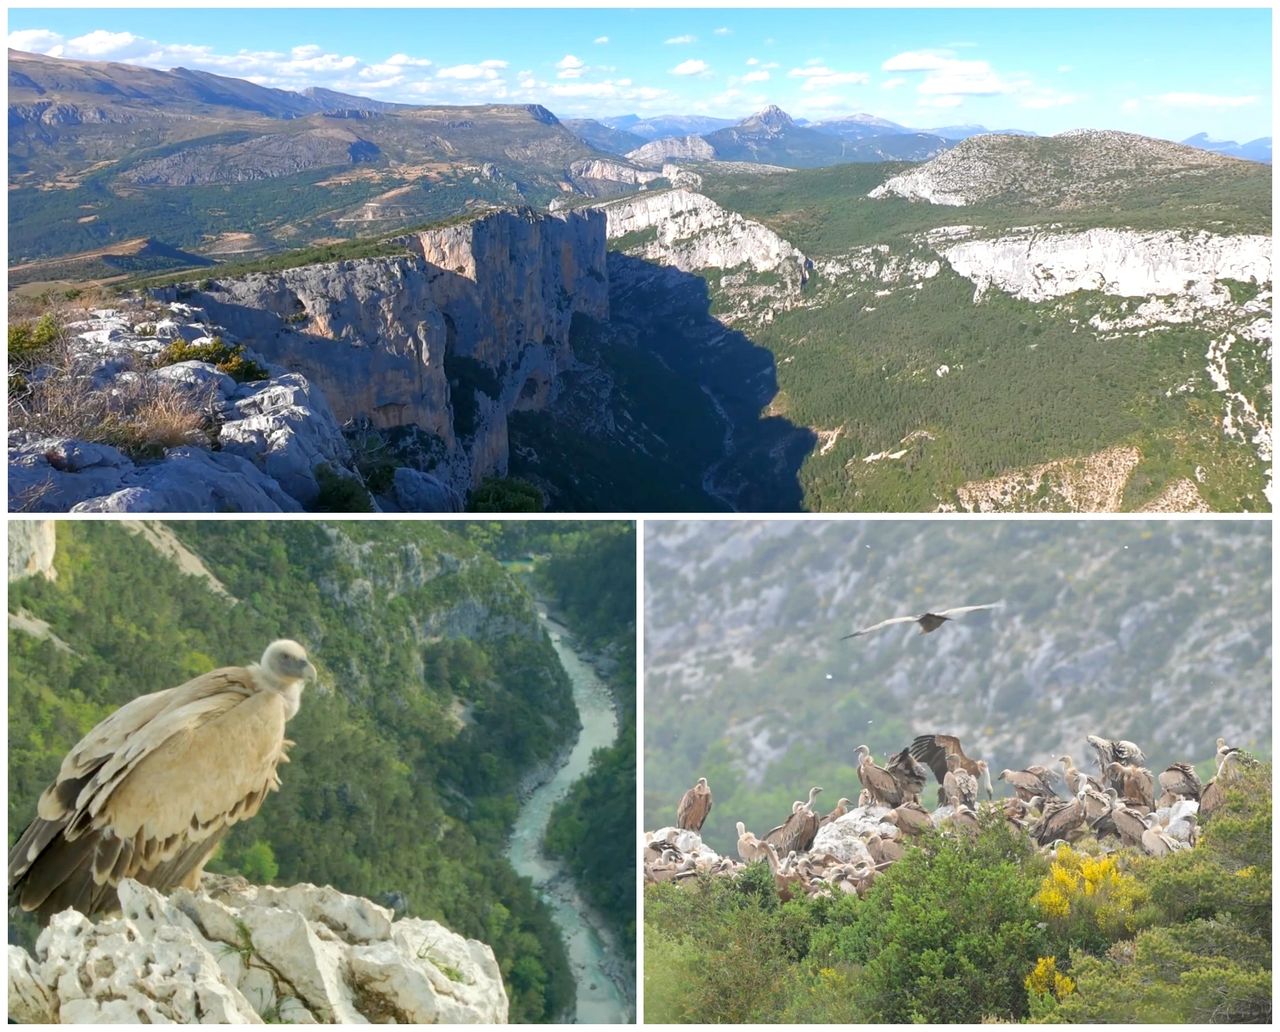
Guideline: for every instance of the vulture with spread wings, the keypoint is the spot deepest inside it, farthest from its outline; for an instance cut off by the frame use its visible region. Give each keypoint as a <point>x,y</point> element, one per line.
<point>928,621</point>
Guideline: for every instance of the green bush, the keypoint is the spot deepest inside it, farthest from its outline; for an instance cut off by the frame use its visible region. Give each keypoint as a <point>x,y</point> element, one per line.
<point>339,493</point>
<point>505,494</point>
<point>224,357</point>
<point>28,340</point>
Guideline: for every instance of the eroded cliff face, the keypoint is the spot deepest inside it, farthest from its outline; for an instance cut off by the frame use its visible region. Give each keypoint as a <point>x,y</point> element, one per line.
<point>471,325</point>
<point>1036,264</point>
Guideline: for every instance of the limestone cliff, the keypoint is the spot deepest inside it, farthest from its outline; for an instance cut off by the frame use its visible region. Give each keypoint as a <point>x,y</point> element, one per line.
<point>236,953</point>
<point>469,326</point>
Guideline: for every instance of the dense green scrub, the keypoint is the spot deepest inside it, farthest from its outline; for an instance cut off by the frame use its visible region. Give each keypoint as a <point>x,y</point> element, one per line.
<point>984,929</point>
<point>438,690</point>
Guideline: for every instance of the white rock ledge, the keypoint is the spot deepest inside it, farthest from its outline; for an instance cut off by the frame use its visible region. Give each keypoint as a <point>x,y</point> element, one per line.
<point>245,954</point>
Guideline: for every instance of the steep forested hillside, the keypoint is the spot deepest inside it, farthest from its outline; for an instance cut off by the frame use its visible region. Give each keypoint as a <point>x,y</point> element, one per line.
<point>438,690</point>
<point>1155,632</point>
<point>590,575</point>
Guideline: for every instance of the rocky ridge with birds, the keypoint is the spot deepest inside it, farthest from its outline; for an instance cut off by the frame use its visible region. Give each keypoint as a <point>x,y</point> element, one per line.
<point>1121,805</point>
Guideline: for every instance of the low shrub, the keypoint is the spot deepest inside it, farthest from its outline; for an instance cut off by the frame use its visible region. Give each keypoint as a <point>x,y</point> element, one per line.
<point>224,357</point>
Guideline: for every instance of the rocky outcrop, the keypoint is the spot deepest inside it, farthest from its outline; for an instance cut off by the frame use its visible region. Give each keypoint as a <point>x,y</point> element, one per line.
<point>691,232</point>
<point>589,173</point>
<point>236,953</point>
<point>1072,169</point>
<point>32,544</point>
<point>683,148</point>
<point>1036,264</point>
<point>1094,483</point>
<point>471,325</point>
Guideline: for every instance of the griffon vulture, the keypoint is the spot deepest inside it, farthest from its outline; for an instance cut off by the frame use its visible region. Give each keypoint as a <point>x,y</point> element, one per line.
<point>797,833</point>
<point>882,785</point>
<point>694,806</point>
<point>1179,781</point>
<point>150,791</point>
<point>933,751</point>
<point>910,775</point>
<point>928,621</point>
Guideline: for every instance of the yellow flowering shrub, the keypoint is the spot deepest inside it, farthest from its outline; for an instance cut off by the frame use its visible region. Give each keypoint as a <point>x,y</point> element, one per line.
<point>1045,978</point>
<point>1092,894</point>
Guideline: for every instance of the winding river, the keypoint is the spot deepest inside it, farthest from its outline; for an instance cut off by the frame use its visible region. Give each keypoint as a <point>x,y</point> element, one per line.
<point>599,968</point>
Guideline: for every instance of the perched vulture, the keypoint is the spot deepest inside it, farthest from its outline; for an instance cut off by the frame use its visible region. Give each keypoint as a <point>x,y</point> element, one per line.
<point>927,621</point>
<point>910,818</point>
<point>910,775</point>
<point>797,832</point>
<point>750,848</point>
<point>933,750</point>
<point>1060,820</point>
<point>959,787</point>
<point>1029,783</point>
<point>1180,781</point>
<point>1130,825</point>
<point>1135,785</point>
<point>694,806</point>
<point>1076,779</point>
<point>882,785</point>
<point>1116,752</point>
<point>842,807</point>
<point>150,791</point>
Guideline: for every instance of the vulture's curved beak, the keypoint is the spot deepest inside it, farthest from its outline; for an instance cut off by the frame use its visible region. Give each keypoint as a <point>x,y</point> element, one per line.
<point>310,673</point>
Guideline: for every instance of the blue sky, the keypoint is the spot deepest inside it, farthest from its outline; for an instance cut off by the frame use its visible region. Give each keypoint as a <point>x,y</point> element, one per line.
<point>1167,73</point>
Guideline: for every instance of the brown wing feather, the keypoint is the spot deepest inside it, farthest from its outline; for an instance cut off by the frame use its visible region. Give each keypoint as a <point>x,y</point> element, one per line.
<point>149,791</point>
<point>932,750</point>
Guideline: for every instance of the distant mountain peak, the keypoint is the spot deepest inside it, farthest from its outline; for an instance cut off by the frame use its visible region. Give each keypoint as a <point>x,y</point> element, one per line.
<point>772,117</point>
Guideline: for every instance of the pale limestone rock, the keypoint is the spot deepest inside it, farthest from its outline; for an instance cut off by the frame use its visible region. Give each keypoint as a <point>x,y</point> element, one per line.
<point>1037,265</point>
<point>845,837</point>
<point>32,544</point>
<point>685,148</point>
<point>242,954</point>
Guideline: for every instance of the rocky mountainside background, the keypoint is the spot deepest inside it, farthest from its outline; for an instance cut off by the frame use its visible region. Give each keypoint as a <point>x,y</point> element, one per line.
<point>1159,633</point>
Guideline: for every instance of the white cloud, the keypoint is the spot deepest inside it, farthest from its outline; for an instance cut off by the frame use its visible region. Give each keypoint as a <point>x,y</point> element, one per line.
<point>36,41</point>
<point>917,61</point>
<point>723,31</point>
<point>757,76</point>
<point>940,102</point>
<point>570,67</point>
<point>894,83</point>
<point>1202,100</point>
<point>405,61</point>
<point>600,40</point>
<point>484,70</point>
<point>820,77</point>
<point>750,60</point>
<point>681,40</point>
<point>103,44</point>
<point>691,67</point>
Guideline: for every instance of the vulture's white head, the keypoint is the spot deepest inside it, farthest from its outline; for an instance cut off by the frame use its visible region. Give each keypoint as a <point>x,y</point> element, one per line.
<point>286,667</point>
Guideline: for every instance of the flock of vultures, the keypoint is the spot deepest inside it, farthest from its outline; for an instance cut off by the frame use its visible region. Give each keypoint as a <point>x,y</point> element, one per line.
<point>1122,804</point>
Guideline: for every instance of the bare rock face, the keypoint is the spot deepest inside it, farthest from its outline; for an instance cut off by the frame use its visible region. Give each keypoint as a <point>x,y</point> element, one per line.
<point>1037,264</point>
<point>684,148</point>
<point>845,837</point>
<point>245,954</point>
<point>472,325</point>
<point>32,544</point>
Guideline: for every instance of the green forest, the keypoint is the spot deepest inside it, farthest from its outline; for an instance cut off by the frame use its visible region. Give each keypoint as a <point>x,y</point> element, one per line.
<point>984,929</point>
<point>390,794</point>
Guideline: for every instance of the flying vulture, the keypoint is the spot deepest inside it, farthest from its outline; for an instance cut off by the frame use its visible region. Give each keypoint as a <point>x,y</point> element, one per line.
<point>932,750</point>
<point>928,621</point>
<point>150,791</point>
<point>694,806</point>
